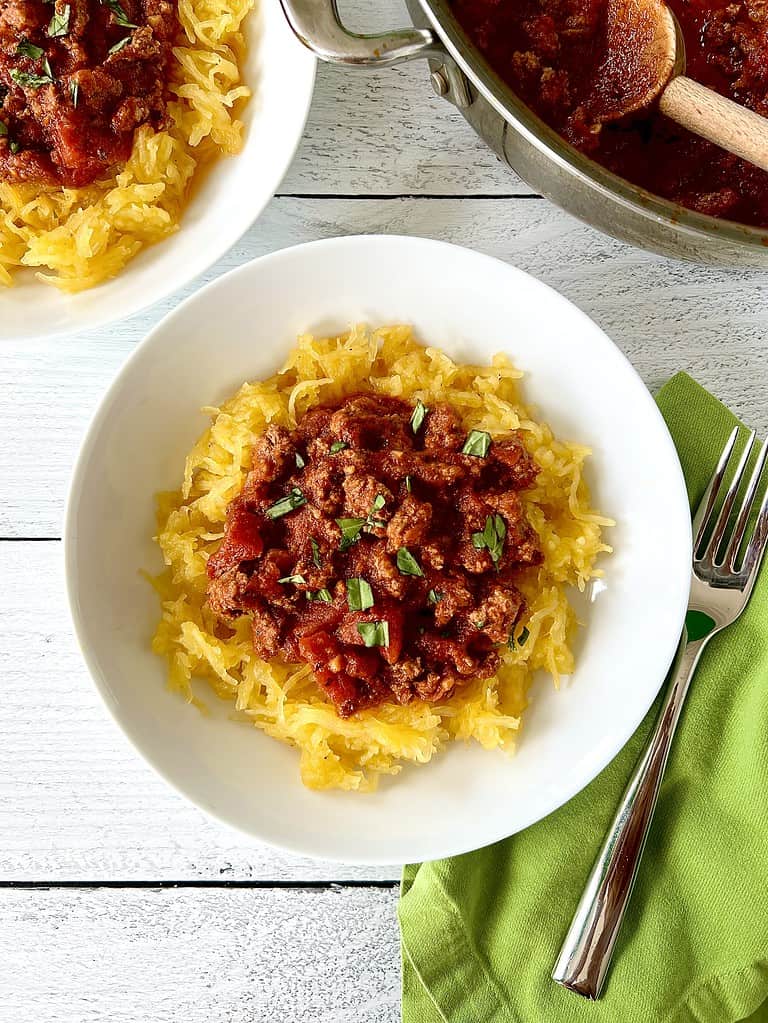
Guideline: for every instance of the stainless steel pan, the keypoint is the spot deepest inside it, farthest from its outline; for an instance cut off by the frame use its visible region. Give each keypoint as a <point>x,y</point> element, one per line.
<point>540,156</point>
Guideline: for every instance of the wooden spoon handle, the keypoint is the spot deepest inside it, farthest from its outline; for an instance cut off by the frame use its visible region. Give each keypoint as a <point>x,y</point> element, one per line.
<point>720,120</point>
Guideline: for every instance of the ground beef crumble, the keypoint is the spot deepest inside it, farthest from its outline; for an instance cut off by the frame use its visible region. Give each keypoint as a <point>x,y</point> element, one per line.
<point>367,544</point>
<point>77,77</point>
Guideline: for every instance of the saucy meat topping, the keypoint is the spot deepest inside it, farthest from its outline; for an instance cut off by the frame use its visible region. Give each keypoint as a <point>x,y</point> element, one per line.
<point>76,79</point>
<point>380,544</point>
<point>548,51</point>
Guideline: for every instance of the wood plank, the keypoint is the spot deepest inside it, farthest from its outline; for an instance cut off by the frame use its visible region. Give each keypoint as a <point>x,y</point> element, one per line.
<point>214,956</point>
<point>76,801</point>
<point>386,133</point>
<point>664,315</point>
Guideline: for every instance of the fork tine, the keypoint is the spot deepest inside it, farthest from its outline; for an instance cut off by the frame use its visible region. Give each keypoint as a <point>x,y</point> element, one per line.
<point>716,539</point>
<point>756,547</point>
<point>709,499</point>
<point>745,511</point>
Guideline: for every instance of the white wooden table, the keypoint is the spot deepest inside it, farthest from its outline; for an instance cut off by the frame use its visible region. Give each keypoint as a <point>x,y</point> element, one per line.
<point>119,901</point>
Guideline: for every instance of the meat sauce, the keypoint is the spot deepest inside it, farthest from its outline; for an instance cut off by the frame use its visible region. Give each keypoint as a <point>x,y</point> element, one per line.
<point>369,545</point>
<point>76,80</point>
<point>549,50</point>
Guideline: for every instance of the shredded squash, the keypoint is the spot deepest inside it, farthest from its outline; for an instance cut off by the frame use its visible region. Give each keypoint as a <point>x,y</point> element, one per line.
<point>282,699</point>
<point>79,237</point>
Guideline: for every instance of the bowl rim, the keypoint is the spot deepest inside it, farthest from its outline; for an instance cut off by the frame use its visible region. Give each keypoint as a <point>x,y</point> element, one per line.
<point>204,257</point>
<point>548,142</point>
<point>70,544</point>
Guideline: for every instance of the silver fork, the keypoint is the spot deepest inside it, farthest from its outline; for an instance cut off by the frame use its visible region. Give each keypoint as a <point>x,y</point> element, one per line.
<point>721,584</point>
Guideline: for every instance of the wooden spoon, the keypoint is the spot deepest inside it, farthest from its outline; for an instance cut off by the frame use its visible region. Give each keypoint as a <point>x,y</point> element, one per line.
<point>645,63</point>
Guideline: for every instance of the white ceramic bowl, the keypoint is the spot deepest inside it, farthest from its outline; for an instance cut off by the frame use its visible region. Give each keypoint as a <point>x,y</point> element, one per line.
<point>241,327</point>
<point>231,195</point>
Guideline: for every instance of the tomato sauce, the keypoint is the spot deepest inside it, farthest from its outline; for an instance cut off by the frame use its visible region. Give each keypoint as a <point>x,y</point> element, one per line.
<point>76,79</point>
<point>380,544</point>
<point>548,51</point>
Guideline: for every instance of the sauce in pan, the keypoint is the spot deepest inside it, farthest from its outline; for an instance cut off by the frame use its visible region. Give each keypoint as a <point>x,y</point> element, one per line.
<point>548,51</point>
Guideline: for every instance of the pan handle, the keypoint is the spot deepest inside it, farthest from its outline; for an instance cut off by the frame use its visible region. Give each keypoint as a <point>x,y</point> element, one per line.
<point>318,25</point>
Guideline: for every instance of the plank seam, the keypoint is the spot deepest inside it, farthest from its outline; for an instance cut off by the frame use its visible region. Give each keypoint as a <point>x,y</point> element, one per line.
<point>403,195</point>
<point>220,884</point>
<point>30,539</point>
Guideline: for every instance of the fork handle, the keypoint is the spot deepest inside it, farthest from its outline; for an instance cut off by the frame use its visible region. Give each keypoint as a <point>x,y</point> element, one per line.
<point>586,953</point>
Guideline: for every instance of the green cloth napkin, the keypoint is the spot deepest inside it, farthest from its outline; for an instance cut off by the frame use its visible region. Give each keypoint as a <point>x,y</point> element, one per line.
<point>481,932</point>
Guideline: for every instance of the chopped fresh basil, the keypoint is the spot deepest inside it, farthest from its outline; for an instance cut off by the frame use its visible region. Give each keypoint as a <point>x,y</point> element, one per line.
<point>33,81</point>
<point>27,49</point>
<point>316,559</point>
<point>59,23</point>
<point>378,503</point>
<point>359,594</point>
<point>374,633</point>
<point>408,485</point>
<point>14,146</point>
<point>492,537</point>
<point>433,597</point>
<point>293,579</point>
<point>119,13</point>
<point>300,463</point>
<point>287,504</point>
<point>119,45</point>
<point>477,443</point>
<point>352,528</point>
<point>324,595</point>
<point>74,91</point>
<point>419,413</point>
<point>407,564</point>
<point>338,445</point>
<point>350,531</point>
<point>3,128</point>
<point>512,643</point>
